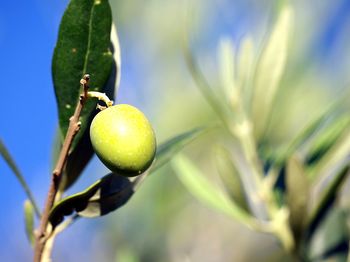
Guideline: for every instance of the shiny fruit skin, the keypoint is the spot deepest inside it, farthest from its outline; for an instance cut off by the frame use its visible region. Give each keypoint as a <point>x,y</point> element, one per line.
<point>123,139</point>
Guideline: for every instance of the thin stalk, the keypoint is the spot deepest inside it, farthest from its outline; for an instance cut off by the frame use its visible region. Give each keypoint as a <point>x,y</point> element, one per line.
<point>7,157</point>
<point>51,239</point>
<point>74,126</point>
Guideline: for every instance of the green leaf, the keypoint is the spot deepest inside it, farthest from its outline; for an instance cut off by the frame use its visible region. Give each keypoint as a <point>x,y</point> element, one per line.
<point>167,150</point>
<point>230,177</point>
<point>270,69</point>
<point>297,195</point>
<point>104,196</point>
<point>332,239</point>
<point>82,47</point>
<point>306,133</point>
<point>212,98</point>
<point>326,199</point>
<point>29,221</point>
<point>208,194</point>
<point>335,155</point>
<point>11,163</point>
<point>126,254</point>
<point>77,160</point>
<point>227,67</point>
<point>83,152</point>
<point>245,62</point>
<point>324,141</point>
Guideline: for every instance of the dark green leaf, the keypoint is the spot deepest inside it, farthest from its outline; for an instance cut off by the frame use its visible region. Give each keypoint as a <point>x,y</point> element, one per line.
<point>77,160</point>
<point>230,177</point>
<point>169,148</point>
<point>82,47</point>
<point>326,200</point>
<point>9,160</point>
<point>83,152</point>
<point>29,221</point>
<point>104,196</point>
<point>297,195</point>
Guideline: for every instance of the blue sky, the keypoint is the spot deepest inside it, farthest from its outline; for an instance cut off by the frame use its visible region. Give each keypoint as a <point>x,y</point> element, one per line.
<point>28,31</point>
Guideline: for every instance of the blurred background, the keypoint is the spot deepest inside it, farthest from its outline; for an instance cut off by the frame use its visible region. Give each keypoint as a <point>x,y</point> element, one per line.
<point>162,222</point>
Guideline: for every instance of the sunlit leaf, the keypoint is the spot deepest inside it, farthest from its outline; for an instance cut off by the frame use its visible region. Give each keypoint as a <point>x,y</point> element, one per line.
<point>11,163</point>
<point>208,194</point>
<point>29,221</point>
<point>212,98</point>
<point>227,68</point>
<point>245,61</point>
<point>106,195</point>
<point>83,46</point>
<point>270,69</point>
<point>326,200</point>
<point>117,60</point>
<point>230,177</point>
<point>167,150</point>
<point>297,195</point>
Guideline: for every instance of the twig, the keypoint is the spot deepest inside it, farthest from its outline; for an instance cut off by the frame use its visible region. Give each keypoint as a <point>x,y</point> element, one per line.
<point>51,239</point>
<point>73,128</point>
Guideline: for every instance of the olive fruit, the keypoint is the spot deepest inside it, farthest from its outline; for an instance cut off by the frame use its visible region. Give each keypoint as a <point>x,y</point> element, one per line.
<point>123,139</point>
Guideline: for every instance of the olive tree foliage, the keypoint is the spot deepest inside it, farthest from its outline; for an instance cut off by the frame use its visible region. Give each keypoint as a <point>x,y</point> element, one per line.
<point>289,191</point>
<point>85,68</point>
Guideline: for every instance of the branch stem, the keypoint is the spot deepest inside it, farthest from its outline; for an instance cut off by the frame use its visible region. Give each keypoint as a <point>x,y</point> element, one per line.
<point>73,128</point>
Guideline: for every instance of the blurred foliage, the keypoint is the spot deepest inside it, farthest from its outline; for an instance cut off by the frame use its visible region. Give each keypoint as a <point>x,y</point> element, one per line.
<point>163,209</point>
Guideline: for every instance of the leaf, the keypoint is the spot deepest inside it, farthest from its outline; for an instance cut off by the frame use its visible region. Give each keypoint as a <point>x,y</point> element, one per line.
<point>83,152</point>
<point>82,47</point>
<point>104,196</point>
<point>230,177</point>
<point>306,133</point>
<point>326,200</point>
<point>336,154</point>
<point>29,221</point>
<point>227,67</point>
<point>117,58</point>
<point>245,60</point>
<point>332,239</point>
<point>205,192</point>
<point>212,98</point>
<point>324,141</point>
<point>11,163</point>
<point>270,69</point>
<point>297,195</point>
<point>77,160</point>
<point>171,147</point>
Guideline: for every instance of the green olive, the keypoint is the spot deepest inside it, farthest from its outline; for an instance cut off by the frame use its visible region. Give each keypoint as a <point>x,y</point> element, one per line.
<point>123,139</point>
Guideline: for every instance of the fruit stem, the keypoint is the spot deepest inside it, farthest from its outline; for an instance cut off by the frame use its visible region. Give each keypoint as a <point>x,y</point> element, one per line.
<point>73,128</point>
<point>100,96</point>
